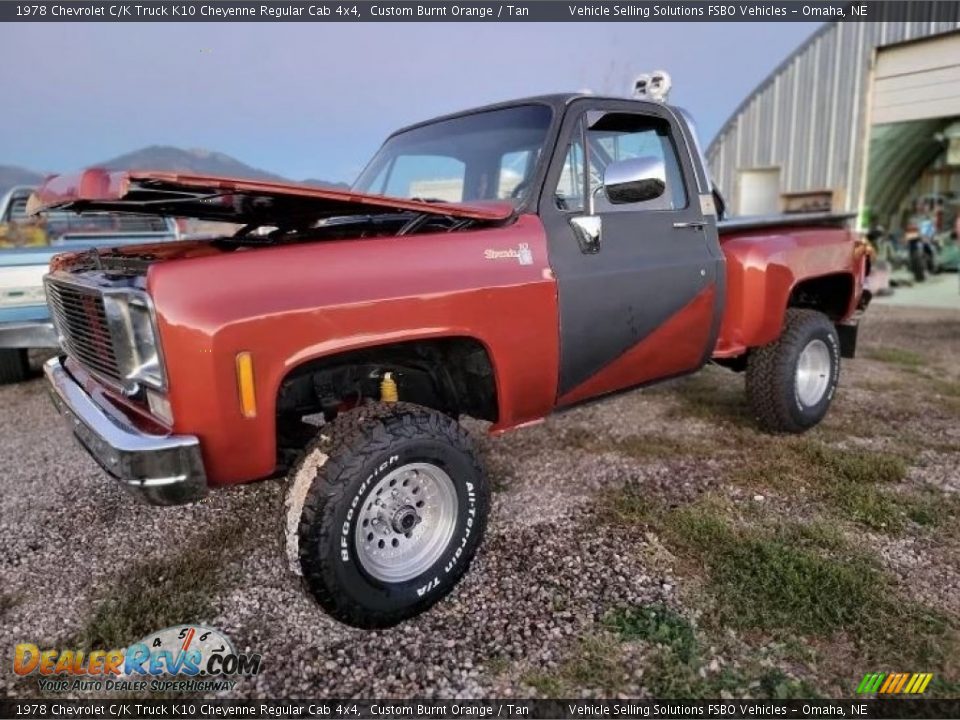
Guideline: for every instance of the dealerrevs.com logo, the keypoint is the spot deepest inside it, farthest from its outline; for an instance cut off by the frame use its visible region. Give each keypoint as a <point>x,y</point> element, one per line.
<point>185,658</point>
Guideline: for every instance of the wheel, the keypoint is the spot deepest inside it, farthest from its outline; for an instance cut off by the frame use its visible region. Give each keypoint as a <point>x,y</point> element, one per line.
<point>14,366</point>
<point>386,510</point>
<point>791,382</point>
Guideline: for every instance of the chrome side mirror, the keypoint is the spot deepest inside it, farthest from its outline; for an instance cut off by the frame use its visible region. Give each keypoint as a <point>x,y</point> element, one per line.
<point>587,229</point>
<point>634,180</point>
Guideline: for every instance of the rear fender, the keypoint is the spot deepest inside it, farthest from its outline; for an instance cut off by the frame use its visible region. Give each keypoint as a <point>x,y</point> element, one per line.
<point>764,273</point>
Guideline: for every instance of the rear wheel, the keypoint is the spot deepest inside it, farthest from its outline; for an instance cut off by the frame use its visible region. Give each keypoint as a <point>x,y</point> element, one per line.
<point>791,382</point>
<point>386,510</point>
<point>14,366</point>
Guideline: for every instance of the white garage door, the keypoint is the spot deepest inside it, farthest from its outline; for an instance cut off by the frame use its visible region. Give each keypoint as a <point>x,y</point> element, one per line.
<point>917,80</point>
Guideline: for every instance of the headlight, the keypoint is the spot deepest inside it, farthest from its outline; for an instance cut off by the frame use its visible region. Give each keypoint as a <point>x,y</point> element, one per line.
<point>135,338</point>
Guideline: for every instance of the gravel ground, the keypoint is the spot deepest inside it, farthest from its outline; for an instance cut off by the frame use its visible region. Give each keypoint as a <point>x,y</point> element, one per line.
<point>549,569</point>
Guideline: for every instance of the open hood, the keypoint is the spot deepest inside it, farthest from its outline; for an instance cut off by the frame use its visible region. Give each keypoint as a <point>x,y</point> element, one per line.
<point>208,197</point>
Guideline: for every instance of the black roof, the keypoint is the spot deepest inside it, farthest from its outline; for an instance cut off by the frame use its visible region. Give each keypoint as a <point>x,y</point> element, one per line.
<point>557,101</point>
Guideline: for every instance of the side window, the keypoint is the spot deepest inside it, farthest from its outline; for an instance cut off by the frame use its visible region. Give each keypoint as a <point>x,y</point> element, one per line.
<point>569,192</point>
<point>405,178</point>
<point>613,138</point>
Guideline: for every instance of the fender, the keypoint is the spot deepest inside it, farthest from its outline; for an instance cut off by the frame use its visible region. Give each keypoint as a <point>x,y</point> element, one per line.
<point>764,269</point>
<point>291,304</point>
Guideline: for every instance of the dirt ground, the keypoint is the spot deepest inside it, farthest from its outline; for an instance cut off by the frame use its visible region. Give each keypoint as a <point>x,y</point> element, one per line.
<point>654,544</point>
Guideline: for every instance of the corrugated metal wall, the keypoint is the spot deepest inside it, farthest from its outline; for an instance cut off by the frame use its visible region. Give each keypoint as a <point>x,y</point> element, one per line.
<point>808,117</point>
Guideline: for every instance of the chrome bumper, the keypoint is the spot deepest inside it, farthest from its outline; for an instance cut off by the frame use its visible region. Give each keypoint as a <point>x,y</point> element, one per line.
<point>161,469</point>
<point>39,334</point>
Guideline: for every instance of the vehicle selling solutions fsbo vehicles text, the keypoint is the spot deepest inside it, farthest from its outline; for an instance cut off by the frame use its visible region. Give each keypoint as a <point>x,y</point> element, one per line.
<point>718,10</point>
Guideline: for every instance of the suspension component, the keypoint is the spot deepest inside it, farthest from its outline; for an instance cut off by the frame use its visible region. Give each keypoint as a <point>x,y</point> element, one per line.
<point>388,389</point>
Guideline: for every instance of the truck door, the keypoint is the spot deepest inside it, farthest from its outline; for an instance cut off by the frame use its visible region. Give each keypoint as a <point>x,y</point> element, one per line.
<point>638,265</point>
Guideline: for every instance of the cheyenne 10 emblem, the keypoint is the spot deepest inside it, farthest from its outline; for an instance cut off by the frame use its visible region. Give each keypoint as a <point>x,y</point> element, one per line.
<point>523,254</point>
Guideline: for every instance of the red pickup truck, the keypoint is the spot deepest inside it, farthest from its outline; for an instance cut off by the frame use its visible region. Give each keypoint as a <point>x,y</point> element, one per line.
<point>500,263</point>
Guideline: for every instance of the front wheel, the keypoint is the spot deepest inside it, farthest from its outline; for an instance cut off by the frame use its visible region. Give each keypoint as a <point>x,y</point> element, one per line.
<point>385,512</point>
<point>791,382</point>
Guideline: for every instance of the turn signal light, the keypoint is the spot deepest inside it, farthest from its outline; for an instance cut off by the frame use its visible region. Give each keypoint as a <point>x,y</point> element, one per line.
<point>245,385</point>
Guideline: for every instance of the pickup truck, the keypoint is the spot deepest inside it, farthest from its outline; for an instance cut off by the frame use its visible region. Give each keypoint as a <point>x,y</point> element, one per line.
<point>26,246</point>
<point>500,263</point>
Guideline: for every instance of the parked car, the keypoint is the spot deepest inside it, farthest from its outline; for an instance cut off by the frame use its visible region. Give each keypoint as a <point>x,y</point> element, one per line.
<point>342,346</point>
<point>26,246</point>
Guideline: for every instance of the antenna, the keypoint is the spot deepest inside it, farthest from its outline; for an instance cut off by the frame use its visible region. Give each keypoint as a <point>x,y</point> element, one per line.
<point>652,86</point>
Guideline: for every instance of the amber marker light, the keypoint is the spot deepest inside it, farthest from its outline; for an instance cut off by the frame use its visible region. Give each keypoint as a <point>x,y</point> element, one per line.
<point>245,384</point>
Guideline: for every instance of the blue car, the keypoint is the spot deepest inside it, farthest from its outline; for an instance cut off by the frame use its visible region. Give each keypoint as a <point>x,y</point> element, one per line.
<point>26,246</point>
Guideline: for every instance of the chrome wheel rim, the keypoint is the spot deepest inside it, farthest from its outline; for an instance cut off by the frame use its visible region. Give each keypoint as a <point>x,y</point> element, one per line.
<point>406,522</point>
<point>814,368</point>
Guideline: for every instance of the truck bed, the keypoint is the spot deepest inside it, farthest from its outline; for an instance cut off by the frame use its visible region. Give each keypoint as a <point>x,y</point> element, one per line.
<point>755,222</point>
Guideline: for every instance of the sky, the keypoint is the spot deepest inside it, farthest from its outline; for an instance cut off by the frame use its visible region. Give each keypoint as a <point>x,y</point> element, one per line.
<point>309,100</point>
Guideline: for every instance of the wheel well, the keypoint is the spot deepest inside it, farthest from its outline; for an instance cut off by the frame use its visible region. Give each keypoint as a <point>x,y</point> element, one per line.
<point>830,294</point>
<point>452,375</point>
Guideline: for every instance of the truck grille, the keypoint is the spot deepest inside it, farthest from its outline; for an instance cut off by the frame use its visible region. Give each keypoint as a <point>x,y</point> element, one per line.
<point>81,320</point>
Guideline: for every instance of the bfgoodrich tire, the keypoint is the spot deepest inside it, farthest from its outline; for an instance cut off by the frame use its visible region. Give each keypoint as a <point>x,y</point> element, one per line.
<point>14,366</point>
<point>386,510</point>
<point>791,382</point>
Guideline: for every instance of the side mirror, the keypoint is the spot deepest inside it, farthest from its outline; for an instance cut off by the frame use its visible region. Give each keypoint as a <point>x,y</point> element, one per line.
<point>634,180</point>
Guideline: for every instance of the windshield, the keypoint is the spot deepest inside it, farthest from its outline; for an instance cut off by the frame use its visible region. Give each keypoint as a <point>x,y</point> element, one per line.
<point>485,156</point>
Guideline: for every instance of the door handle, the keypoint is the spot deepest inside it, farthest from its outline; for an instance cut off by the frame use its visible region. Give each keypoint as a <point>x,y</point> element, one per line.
<point>695,225</point>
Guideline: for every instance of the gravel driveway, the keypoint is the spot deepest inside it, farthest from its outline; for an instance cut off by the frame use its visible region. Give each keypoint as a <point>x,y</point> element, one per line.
<point>78,557</point>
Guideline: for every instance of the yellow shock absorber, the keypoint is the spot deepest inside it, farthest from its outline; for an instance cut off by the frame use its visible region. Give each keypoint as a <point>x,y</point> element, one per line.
<point>388,389</point>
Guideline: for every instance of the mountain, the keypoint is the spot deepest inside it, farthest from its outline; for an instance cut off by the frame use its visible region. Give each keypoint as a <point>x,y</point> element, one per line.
<point>204,162</point>
<point>166,157</point>
<point>11,175</point>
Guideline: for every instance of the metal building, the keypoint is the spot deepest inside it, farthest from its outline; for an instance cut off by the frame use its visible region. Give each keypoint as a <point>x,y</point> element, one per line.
<point>863,114</point>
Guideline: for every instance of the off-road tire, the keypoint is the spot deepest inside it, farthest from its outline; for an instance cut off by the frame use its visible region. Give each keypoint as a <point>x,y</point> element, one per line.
<point>336,476</point>
<point>772,374</point>
<point>14,366</point>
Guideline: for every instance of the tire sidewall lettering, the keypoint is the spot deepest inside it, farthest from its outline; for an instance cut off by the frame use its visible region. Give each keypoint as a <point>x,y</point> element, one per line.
<point>432,581</point>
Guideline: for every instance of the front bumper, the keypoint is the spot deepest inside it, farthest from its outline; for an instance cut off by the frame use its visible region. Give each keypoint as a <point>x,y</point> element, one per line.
<point>160,469</point>
<point>30,334</point>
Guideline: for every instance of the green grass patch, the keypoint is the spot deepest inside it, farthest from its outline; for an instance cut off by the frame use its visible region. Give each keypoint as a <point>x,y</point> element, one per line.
<point>947,388</point>
<point>933,510</point>
<point>868,505</point>
<point>627,505</point>
<point>712,394</point>
<point>895,356</point>
<point>787,462</point>
<point>763,582</point>
<point>813,534</point>
<point>595,663</point>
<point>845,478</point>
<point>158,593</point>
<point>674,667</point>
<point>656,624</point>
